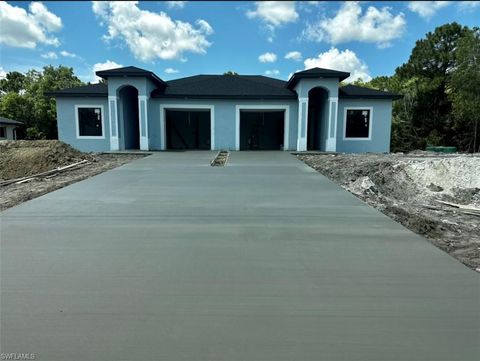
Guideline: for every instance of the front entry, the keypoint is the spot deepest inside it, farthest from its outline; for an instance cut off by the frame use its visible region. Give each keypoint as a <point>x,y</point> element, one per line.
<point>261,130</point>
<point>187,129</point>
<point>317,119</point>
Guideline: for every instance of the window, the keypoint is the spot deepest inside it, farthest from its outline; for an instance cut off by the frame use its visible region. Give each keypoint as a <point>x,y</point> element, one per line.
<point>90,121</point>
<point>3,133</point>
<point>357,123</point>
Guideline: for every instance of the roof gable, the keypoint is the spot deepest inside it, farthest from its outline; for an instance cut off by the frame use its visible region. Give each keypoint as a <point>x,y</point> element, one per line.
<point>316,73</point>
<point>130,71</point>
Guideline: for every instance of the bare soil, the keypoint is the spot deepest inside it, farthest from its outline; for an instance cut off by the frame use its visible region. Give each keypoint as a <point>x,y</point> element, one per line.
<point>407,188</point>
<point>26,158</point>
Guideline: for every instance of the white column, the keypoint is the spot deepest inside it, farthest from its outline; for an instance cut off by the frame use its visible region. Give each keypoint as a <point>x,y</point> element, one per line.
<point>302,124</point>
<point>331,144</point>
<point>113,119</point>
<point>143,121</point>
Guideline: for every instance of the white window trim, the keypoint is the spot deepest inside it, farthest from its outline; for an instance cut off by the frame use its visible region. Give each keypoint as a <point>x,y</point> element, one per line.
<point>192,107</point>
<point>102,117</point>
<point>370,123</point>
<point>286,120</point>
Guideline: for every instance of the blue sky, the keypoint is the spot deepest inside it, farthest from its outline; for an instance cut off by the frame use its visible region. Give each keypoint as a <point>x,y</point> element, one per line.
<point>178,38</point>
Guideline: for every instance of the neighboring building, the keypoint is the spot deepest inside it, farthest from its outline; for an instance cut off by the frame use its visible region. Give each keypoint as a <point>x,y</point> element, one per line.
<point>138,110</point>
<point>8,128</point>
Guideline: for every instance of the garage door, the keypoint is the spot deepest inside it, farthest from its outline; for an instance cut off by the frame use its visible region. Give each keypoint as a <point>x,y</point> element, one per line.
<point>187,129</point>
<point>261,130</point>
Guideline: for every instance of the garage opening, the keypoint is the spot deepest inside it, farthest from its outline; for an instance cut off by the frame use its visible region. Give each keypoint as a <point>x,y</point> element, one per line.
<point>262,130</point>
<point>188,129</point>
<point>317,119</point>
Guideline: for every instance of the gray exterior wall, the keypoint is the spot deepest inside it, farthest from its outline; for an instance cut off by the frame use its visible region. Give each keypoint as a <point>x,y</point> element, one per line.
<point>380,124</point>
<point>9,134</point>
<point>67,124</point>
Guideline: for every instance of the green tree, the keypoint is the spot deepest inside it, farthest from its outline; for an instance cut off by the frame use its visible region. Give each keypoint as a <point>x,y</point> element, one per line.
<point>13,82</point>
<point>430,66</point>
<point>465,92</point>
<point>25,98</point>
<point>17,107</point>
<point>51,79</point>
<point>230,72</point>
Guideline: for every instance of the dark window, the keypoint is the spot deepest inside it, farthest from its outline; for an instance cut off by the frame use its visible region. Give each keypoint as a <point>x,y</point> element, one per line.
<point>90,122</point>
<point>2,132</point>
<point>358,123</point>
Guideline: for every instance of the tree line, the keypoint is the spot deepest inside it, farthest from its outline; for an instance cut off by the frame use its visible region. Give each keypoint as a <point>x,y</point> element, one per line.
<point>440,84</point>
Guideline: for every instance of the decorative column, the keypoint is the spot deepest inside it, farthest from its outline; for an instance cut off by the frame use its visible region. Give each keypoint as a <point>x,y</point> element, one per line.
<point>113,117</point>
<point>331,144</point>
<point>143,121</point>
<point>302,124</point>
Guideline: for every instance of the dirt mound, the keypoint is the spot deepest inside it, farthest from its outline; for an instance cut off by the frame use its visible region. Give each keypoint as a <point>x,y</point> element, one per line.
<point>26,157</point>
<point>408,188</point>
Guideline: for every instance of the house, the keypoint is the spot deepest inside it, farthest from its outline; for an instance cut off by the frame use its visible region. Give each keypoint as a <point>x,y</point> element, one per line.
<point>8,128</point>
<point>135,109</point>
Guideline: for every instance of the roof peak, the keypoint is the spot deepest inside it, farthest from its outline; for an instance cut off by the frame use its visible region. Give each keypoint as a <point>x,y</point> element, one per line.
<point>132,71</point>
<point>316,73</point>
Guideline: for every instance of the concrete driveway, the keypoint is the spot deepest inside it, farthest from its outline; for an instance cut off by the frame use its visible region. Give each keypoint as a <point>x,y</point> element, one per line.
<point>167,258</point>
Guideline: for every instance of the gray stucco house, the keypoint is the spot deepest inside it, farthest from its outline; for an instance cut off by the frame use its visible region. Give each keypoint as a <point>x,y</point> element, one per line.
<point>8,128</point>
<point>138,110</point>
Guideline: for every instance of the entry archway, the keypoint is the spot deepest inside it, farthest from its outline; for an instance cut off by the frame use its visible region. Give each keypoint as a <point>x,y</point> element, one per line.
<point>317,131</point>
<point>129,118</point>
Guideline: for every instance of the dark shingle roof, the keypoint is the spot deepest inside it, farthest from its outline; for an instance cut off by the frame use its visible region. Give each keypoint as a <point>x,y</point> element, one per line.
<point>316,73</point>
<point>358,92</point>
<point>131,71</point>
<point>9,121</point>
<point>91,90</point>
<point>226,87</point>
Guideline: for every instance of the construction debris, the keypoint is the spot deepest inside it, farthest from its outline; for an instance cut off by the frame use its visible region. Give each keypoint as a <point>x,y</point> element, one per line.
<point>435,195</point>
<point>44,174</point>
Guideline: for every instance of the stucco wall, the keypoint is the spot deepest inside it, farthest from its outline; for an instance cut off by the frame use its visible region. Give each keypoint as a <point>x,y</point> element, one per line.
<point>380,123</point>
<point>66,124</point>
<point>225,122</point>
<point>225,113</point>
<point>8,131</point>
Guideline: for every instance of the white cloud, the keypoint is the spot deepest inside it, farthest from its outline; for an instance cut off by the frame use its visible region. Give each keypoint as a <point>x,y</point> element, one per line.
<point>378,26</point>
<point>109,64</point>
<point>171,71</point>
<point>468,5</point>
<point>274,13</point>
<point>40,12</point>
<point>151,35</point>
<point>294,55</point>
<point>272,72</point>
<point>67,54</point>
<point>26,29</point>
<point>176,4</point>
<point>50,55</point>
<point>267,58</point>
<point>426,9</point>
<point>3,73</point>
<point>345,60</point>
